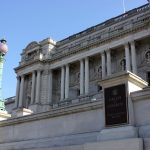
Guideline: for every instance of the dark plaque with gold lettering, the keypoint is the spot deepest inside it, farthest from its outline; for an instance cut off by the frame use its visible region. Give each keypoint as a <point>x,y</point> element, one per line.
<point>116,105</point>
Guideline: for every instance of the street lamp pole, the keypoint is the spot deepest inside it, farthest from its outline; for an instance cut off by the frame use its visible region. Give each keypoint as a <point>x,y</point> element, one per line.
<point>3,51</point>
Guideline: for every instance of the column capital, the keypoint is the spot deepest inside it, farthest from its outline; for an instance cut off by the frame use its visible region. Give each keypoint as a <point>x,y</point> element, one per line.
<point>81,59</point>
<point>126,44</point>
<point>102,53</point>
<point>62,66</point>
<point>67,65</point>
<point>132,42</point>
<point>22,76</point>
<point>33,71</point>
<point>86,58</point>
<point>50,70</point>
<point>17,77</point>
<point>108,50</point>
<point>38,70</point>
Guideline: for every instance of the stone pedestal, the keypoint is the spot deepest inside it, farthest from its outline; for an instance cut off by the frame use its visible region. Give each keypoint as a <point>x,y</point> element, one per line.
<point>4,115</point>
<point>127,144</point>
<point>21,112</point>
<point>118,133</point>
<point>36,108</point>
<point>119,114</point>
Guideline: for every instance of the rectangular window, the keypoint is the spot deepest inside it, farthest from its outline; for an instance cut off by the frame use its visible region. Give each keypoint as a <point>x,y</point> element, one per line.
<point>78,92</point>
<point>99,88</point>
<point>148,78</point>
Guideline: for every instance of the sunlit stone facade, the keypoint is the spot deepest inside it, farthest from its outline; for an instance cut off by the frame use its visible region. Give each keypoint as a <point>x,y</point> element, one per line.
<point>59,101</point>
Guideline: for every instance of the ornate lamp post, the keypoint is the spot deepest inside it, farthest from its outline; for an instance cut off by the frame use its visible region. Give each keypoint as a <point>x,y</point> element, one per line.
<point>3,51</point>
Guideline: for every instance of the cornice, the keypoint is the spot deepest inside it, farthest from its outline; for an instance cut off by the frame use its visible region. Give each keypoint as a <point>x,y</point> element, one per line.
<point>54,113</point>
<point>141,95</point>
<point>126,24</point>
<point>105,24</point>
<point>99,42</point>
<point>27,64</point>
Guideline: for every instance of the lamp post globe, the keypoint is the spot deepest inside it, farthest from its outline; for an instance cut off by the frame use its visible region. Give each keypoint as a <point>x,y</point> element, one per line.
<point>3,46</point>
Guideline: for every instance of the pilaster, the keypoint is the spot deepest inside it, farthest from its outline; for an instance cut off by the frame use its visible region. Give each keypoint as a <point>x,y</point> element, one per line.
<point>21,92</point>
<point>133,57</point>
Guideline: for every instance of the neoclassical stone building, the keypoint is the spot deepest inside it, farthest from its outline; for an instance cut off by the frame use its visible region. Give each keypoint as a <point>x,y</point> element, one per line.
<point>61,96</point>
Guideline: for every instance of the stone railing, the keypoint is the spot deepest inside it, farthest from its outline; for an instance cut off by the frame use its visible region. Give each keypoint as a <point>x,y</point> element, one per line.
<point>80,100</point>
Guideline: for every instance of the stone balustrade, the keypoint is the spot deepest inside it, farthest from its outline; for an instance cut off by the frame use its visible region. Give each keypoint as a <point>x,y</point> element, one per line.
<point>80,100</point>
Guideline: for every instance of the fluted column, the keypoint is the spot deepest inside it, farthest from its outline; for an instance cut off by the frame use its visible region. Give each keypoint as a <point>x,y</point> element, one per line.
<point>38,81</point>
<point>127,56</point>
<point>67,82</point>
<point>103,65</point>
<point>21,91</point>
<point>108,62</point>
<point>62,82</point>
<point>133,57</point>
<point>81,77</point>
<point>50,87</point>
<point>86,75</point>
<point>17,92</point>
<point>33,88</point>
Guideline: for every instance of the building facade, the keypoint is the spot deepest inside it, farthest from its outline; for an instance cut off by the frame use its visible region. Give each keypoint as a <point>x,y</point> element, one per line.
<point>60,100</point>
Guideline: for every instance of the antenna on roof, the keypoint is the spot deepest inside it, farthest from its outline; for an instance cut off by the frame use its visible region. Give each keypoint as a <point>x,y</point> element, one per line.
<point>124,9</point>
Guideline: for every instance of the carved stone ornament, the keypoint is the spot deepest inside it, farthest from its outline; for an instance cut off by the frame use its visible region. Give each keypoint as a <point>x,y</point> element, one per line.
<point>147,55</point>
<point>32,45</point>
<point>123,64</point>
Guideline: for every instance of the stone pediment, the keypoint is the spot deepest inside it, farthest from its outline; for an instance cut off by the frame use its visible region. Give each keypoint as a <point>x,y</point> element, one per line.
<point>32,45</point>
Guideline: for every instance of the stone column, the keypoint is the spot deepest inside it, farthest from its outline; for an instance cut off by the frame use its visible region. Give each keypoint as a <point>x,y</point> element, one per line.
<point>81,77</point>
<point>17,92</point>
<point>108,62</point>
<point>62,82</point>
<point>67,82</point>
<point>21,92</point>
<point>103,65</point>
<point>86,75</point>
<point>127,56</point>
<point>33,88</point>
<point>38,81</point>
<point>50,87</point>
<point>133,57</point>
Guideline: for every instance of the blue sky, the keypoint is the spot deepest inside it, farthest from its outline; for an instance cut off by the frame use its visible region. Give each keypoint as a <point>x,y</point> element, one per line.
<point>24,21</point>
